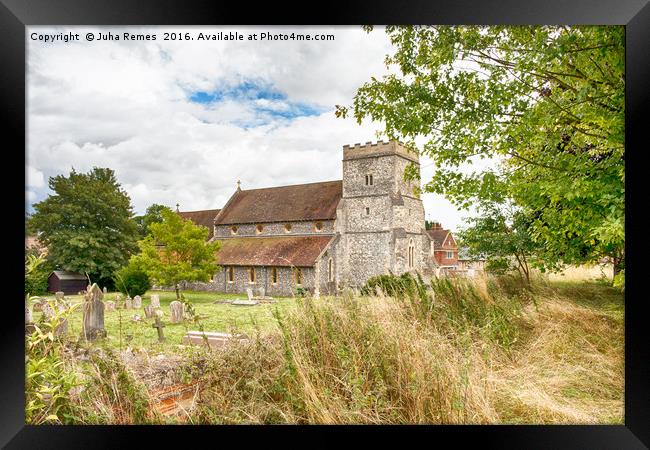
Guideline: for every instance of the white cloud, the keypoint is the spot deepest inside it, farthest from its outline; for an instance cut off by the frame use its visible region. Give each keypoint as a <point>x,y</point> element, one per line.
<point>125,105</point>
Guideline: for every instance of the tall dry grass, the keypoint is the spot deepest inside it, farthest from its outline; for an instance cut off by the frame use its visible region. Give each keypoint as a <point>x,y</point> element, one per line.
<point>454,351</point>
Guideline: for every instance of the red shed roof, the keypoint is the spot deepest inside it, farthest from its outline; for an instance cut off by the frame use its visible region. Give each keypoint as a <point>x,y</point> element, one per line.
<point>299,251</point>
<point>313,201</point>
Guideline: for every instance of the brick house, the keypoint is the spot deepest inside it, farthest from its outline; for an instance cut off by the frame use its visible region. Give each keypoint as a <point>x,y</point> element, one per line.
<point>443,247</point>
<point>326,235</point>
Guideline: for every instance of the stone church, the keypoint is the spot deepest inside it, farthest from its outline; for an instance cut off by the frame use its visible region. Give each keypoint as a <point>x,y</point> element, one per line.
<point>324,236</point>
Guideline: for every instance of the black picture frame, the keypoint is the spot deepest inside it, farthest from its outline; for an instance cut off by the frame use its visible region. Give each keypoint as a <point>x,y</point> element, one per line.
<point>15,15</point>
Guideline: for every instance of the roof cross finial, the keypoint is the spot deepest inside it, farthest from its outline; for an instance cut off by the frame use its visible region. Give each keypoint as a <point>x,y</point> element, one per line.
<point>239,185</point>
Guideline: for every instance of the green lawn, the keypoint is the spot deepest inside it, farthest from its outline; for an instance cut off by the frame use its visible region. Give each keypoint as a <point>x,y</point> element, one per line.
<point>219,317</point>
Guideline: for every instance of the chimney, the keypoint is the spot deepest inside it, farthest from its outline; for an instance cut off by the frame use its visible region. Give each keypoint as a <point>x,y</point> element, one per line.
<point>436,226</point>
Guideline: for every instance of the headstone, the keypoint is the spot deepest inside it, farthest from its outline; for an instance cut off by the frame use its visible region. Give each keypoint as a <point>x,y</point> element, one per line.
<point>136,317</point>
<point>148,311</point>
<point>176,309</point>
<point>93,314</point>
<point>159,326</point>
<point>28,315</point>
<point>128,303</point>
<point>155,301</point>
<point>59,296</point>
<point>48,310</point>
<point>245,302</point>
<point>262,291</point>
<point>137,302</point>
<point>212,339</point>
<point>110,305</point>
<point>105,291</point>
<point>158,312</point>
<point>249,292</point>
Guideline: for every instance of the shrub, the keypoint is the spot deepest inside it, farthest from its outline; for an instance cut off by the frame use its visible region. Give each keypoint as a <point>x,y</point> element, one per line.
<point>132,280</point>
<point>36,273</point>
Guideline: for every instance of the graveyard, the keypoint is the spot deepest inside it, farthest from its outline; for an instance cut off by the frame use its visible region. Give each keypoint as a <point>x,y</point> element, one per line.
<point>127,325</point>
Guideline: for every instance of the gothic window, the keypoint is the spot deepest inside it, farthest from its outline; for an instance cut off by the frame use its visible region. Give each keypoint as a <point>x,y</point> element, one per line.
<point>369,180</point>
<point>259,228</point>
<point>233,229</point>
<point>367,211</point>
<point>298,274</point>
<point>251,275</point>
<point>330,270</point>
<point>231,274</point>
<point>411,254</point>
<point>318,226</point>
<point>274,275</point>
<point>287,228</point>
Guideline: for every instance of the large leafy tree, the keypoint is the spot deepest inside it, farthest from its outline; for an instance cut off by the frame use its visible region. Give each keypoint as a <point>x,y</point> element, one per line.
<point>501,234</point>
<point>545,104</point>
<point>176,250</point>
<point>153,214</point>
<point>86,224</point>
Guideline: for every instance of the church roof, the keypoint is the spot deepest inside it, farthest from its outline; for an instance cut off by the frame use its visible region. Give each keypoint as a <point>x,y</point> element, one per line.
<point>204,217</point>
<point>313,201</point>
<point>298,251</point>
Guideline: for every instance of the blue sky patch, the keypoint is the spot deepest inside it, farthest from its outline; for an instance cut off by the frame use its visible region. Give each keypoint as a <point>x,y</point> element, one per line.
<point>263,99</point>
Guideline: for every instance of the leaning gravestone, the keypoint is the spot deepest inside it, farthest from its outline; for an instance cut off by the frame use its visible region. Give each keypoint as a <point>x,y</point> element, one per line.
<point>137,301</point>
<point>148,311</point>
<point>176,309</point>
<point>155,301</point>
<point>128,303</point>
<point>93,314</point>
<point>110,305</point>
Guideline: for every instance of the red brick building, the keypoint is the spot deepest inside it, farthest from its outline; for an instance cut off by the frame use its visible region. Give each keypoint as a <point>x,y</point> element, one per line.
<point>444,249</point>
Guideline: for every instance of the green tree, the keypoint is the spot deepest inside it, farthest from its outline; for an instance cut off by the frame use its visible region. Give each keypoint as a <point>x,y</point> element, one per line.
<point>176,250</point>
<point>153,214</point>
<point>132,280</point>
<point>86,224</point>
<point>544,103</point>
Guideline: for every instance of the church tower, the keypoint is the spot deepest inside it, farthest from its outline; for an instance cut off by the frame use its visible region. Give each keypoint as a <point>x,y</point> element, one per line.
<point>380,218</point>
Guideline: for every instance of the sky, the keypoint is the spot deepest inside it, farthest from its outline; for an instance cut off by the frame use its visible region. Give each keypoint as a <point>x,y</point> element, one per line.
<point>180,121</point>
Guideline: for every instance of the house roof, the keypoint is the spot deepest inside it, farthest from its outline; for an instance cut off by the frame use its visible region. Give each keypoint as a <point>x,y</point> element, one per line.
<point>65,275</point>
<point>204,217</point>
<point>299,251</point>
<point>312,201</point>
<point>438,236</point>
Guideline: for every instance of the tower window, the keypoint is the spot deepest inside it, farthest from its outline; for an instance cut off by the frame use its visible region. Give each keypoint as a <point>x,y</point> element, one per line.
<point>233,229</point>
<point>259,228</point>
<point>411,255</point>
<point>274,275</point>
<point>367,211</point>
<point>231,274</point>
<point>251,275</point>
<point>369,180</point>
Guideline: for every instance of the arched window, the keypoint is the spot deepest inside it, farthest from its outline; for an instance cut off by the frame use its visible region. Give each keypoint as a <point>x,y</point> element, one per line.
<point>259,228</point>
<point>411,254</point>
<point>251,275</point>
<point>318,226</point>
<point>231,274</point>
<point>233,229</point>
<point>287,228</point>
<point>274,275</point>
<point>330,270</point>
